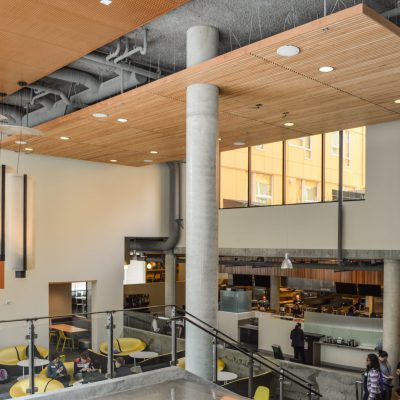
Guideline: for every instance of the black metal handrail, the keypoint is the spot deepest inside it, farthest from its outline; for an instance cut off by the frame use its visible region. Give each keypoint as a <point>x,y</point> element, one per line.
<point>240,344</point>
<point>215,334</point>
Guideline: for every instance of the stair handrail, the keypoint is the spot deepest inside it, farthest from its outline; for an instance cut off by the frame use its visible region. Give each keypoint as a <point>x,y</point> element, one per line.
<point>240,344</point>
<point>297,380</point>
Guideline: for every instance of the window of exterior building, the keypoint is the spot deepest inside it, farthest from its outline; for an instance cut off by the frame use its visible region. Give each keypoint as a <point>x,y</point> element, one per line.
<point>354,164</point>
<point>304,179</point>
<point>234,178</point>
<point>266,174</point>
<point>304,170</point>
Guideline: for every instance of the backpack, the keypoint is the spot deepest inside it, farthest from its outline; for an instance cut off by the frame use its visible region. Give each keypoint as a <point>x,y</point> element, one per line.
<point>3,375</point>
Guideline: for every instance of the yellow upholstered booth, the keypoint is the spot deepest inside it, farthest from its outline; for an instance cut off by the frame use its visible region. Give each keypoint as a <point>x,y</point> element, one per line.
<point>124,346</point>
<point>262,393</point>
<point>221,364</point>
<point>70,369</point>
<point>43,384</point>
<point>11,355</point>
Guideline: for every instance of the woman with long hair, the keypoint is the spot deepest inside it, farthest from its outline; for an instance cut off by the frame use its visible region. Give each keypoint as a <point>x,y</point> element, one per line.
<point>372,379</point>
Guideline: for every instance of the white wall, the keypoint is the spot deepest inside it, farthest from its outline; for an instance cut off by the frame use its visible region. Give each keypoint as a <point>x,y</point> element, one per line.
<point>81,213</point>
<point>372,224</point>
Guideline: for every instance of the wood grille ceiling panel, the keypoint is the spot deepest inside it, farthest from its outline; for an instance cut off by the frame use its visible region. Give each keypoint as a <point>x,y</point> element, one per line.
<point>362,46</point>
<point>38,37</point>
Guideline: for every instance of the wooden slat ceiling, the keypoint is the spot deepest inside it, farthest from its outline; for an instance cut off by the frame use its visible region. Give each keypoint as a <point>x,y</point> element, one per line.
<point>363,47</point>
<point>37,37</point>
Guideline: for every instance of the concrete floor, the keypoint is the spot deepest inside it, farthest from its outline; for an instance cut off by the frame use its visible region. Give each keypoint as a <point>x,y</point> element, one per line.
<point>179,389</point>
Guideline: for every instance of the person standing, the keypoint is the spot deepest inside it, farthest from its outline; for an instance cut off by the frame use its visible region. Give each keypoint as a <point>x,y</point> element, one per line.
<point>372,379</point>
<point>297,338</point>
<point>154,324</point>
<point>386,372</point>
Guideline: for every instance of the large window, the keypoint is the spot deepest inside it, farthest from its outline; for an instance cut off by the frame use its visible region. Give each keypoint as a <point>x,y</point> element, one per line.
<point>353,165</point>
<point>234,178</point>
<point>266,174</point>
<point>309,173</point>
<point>304,170</point>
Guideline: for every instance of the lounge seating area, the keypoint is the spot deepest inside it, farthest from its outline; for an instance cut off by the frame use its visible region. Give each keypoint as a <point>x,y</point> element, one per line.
<point>42,383</point>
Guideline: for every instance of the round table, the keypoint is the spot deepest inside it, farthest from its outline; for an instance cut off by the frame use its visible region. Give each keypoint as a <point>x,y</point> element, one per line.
<point>225,376</point>
<point>37,362</point>
<point>142,355</point>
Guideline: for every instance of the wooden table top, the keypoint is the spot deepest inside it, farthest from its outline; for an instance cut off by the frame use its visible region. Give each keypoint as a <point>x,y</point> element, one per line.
<point>67,328</point>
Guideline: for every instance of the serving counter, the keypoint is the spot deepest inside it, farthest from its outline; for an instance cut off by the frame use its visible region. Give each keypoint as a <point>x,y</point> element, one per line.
<point>274,329</point>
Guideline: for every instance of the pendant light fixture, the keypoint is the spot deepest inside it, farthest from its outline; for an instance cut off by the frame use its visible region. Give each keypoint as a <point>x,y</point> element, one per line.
<point>286,263</point>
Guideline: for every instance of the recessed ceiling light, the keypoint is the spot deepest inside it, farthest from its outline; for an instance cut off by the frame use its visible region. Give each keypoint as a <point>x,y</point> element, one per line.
<point>326,68</point>
<point>397,101</point>
<point>153,152</point>
<point>122,120</point>
<point>100,115</point>
<point>239,143</point>
<point>28,149</point>
<point>288,51</point>
<point>106,2</point>
<point>64,138</point>
<point>288,124</point>
<point>113,161</point>
<point>147,161</point>
<point>20,142</point>
<point>219,139</point>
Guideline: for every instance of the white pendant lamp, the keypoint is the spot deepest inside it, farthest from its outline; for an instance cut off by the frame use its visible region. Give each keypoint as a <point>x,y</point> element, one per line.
<point>286,263</point>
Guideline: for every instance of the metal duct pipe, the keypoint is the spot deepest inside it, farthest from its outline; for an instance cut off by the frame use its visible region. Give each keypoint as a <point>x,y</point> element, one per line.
<point>137,49</point>
<point>106,89</point>
<point>391,13</point>
<point>162,244</point>
<point>124,67</point>
<point>40,89</point>
<point>114,53</point>
<point>75,76</point>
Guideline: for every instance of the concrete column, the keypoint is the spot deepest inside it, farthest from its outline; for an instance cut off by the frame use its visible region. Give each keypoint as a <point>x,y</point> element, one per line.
<point>201,203</point>
<point>275,292</point>
<point>391,316</point>
<point>170,279</point>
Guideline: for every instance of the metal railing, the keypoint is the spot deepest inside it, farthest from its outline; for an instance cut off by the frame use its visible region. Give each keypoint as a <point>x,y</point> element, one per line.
<point>217,337</point>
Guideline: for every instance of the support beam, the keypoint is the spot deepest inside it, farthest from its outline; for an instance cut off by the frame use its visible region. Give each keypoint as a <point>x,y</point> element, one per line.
<point>391,316</point>
<point>170,279</point>
<point>275,287</point>
<point>201,203</point>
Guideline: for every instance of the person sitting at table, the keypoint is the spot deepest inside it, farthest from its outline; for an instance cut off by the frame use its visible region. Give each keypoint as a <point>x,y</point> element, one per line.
<point>297,311</point>
<point>82,365</point>
<point>95,374</point>
<point>56,370</point>
<point>120,368</point>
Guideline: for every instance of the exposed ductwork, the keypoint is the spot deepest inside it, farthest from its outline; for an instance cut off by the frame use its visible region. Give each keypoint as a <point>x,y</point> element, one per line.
<point>125,67</point>
<point>392,13</point>
<point>114,53</point>
<point>95,92</point>
<point>137,49</point>
<point>42,91</point>
<point>139,244</point>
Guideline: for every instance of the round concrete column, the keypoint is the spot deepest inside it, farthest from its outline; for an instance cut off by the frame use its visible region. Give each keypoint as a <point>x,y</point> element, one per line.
<point>275,287</point>
<point>201,44</point>
<point>170,279</point>
<point>201,203</point>
<point>391,316</point>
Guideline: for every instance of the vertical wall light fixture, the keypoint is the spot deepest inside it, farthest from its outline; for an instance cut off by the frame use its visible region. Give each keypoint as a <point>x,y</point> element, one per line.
<point>17,215</point>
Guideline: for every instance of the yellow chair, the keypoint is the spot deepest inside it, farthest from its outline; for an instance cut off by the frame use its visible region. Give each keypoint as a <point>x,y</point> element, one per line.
<point>124,346</point>
<point>181,364</point>
<point>262,393</point>
<point>52,335</point>
<point>63,337</point>
<point>43,384</point>
<point>70,369</point>
<point>11,355</point>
